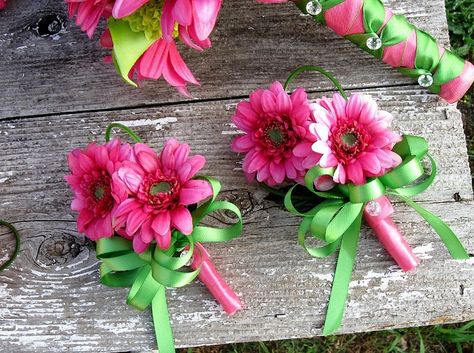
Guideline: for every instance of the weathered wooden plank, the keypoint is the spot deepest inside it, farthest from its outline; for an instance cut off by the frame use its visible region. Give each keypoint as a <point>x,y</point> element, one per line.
<point>253,43</point>
<point>51,298</point>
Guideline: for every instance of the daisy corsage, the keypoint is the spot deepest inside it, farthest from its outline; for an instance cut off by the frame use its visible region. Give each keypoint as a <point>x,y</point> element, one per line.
<point>334,162</point>
<point>145,211</point>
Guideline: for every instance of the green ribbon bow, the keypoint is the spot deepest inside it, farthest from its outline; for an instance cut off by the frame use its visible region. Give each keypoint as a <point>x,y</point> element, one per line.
<point>429,60</point>
<point>337,220</point>
<point>148,274</point>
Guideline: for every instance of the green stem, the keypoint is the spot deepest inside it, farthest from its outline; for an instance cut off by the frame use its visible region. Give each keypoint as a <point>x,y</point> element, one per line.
<point>17,245</point>
<point>124,128</point>
<point>319,69</point>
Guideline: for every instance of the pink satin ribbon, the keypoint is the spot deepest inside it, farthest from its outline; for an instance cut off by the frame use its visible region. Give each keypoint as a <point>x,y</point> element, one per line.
<point>389,235</point>
<point>221,291</point>
<point>346,18</point>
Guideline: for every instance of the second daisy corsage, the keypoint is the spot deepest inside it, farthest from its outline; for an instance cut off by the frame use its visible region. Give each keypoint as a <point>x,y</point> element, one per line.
<point>146,213</point>
<point>334,162</point>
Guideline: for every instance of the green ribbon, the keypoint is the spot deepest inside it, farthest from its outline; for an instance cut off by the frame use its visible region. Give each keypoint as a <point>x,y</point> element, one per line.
<point>443,68</point>
<point>148,274</point>
<point>129,46</point>
<point>337,220</point>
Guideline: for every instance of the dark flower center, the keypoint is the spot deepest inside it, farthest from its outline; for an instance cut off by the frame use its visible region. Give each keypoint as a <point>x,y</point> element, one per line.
<point>161,187</point>
<point>100,195</point>
<point>160,192</point>
<point>349,140</point>
<point>275,135</point>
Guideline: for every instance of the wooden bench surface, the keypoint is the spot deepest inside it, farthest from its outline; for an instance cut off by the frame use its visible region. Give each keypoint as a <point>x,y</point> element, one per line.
<point>57,94</point>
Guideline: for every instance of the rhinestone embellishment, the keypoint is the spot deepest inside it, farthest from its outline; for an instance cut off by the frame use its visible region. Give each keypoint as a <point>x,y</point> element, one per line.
<point>374,43</point>
<point>373,208</point>
<point>425,80</point>
<point>314,8</point>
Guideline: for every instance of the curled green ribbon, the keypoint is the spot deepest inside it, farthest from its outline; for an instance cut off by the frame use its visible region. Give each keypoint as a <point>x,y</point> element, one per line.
<point>337,220</point>
<point>148,274</point>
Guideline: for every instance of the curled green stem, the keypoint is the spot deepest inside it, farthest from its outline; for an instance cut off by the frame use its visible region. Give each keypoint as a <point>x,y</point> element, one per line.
<point>319,69</point>
<point>17,244</point>
<point>124,128</point>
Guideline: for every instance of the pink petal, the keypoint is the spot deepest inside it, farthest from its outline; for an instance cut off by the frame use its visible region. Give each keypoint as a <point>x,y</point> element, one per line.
<point>84,218</point>
<point>130,177</point>
<point>277,171</point>
<point>153,60</point>
<point>324,183</point>
<point>283,103</point>
<point>134,221</point>
<point>205,15</point>
<point>164,241</point>
<point>138,245</point>
<point>303,149</point>
<point>161,223</point>
<point>242,144</point>
<point>321,147</point>
<point>370,163</point>
<point>340,174</point>
<point>194,191</point>
<point>328,160</point>
<point>146,232</point>
<point>123,8</point>
<point>355,173</point>
<point>148,161</point>
<point>354,106</point>
<point>181,219</point>
<point>268,102</point>
<point>182,12</point>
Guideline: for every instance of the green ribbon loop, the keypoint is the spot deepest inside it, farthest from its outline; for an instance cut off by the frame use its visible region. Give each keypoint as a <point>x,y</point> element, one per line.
<point>148,274</point>
<point>337,220</point>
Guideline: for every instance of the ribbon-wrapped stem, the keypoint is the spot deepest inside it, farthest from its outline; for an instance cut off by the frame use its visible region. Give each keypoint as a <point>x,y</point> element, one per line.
<point>336,221</point>
<point>214,282</point>
<point>377,215</point>
<point>392,38</point>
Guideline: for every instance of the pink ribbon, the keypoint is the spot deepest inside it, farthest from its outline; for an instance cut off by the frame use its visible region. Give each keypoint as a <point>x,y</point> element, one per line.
<point>221,291</point>
<point>346,18</point>
<point>389,235</point>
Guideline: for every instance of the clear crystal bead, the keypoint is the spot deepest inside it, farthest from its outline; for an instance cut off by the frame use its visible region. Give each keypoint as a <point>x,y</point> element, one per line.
<point>373,208</point>
<point>314,7</point>
<point>184,253</point>
<point>425,80</point>
<point>374,43</point>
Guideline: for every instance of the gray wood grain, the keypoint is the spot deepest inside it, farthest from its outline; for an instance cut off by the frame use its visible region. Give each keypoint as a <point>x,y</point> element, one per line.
<point>51,298</point>
<point>253,43</point>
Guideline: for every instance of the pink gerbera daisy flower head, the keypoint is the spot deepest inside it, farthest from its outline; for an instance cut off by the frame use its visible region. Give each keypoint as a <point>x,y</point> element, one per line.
<point>354,137</point>
<point>92,169</point>
<point>154,192</point>
<point>273,122</point>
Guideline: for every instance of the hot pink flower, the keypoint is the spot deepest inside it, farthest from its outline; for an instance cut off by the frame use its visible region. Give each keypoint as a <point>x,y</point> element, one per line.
<point>91,182</point>
<point>3,4</point>
<point>163,58</point>
<point>354,137</point>
<point>154,191</point>
<point>195,18</point>
<point>89,12</point>
<point>274,123</point>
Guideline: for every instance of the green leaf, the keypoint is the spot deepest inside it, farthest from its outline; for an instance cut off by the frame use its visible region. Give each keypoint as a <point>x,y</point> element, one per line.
<point>129,46</point>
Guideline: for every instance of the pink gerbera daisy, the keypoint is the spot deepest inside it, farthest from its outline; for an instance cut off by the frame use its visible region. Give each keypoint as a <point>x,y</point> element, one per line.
<point>274,122</point>
<point>354,137</point>
<point>91,182</point>
<point>154,191</point>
